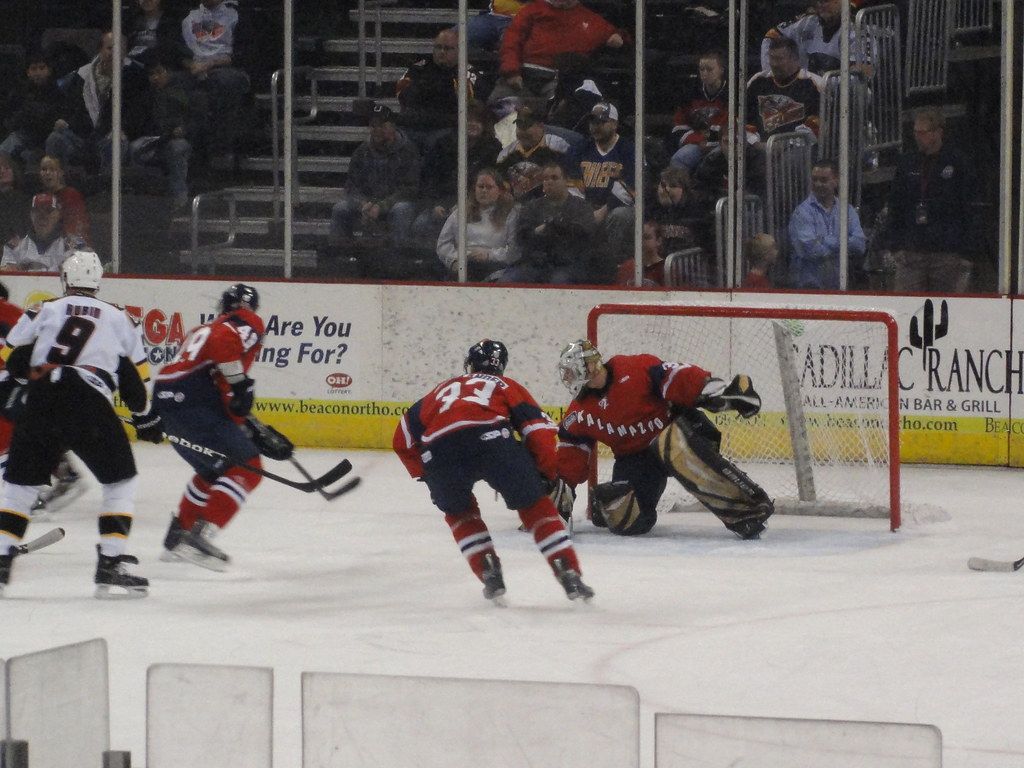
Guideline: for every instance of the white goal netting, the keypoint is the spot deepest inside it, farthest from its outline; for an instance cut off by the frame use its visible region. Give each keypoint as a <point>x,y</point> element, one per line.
<point>826,440</point>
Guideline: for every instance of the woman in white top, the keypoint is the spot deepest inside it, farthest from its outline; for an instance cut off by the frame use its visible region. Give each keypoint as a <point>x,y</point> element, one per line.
<point>490,229</point>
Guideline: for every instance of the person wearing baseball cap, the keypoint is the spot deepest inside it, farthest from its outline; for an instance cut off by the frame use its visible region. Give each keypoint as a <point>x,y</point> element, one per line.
<point>43,249</point>
<point>606,167</point>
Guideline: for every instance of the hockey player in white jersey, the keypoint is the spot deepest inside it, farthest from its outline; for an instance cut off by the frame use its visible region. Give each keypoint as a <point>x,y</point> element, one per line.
<point>75,353</point>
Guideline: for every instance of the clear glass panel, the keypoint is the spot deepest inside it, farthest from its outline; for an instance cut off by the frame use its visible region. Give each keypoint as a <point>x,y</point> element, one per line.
<point>686,109</point>
<point>53,194</point>
<point>196,176</point>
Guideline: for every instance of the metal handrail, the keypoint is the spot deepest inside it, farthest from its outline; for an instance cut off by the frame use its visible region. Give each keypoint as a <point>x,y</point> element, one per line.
<point>197,202</point>
<point>275,129</point>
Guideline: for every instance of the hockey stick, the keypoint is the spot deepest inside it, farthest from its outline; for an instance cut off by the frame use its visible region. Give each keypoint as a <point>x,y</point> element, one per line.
<point>321,483</point>
<point>983,564</point>
<point>314,485</point>
<point>48,538</point>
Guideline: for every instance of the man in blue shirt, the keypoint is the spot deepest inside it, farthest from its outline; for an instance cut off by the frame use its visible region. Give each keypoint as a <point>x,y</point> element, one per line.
<point>814,233</point>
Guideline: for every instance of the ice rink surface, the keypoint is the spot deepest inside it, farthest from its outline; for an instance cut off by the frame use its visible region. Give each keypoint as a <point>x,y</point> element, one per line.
<point>823,618</point>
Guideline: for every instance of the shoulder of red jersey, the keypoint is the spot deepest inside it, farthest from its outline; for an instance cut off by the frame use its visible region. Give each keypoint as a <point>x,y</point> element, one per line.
<point>243,316</point>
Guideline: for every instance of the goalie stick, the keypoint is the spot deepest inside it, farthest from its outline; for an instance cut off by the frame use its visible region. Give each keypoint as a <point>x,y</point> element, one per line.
<point>984,564</point>
<point>48,538</point>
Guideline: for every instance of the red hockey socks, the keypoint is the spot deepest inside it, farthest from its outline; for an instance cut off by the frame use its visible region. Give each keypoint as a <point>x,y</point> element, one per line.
<point>542,520</point>
<point>217,502</point>
<point>472,536</point>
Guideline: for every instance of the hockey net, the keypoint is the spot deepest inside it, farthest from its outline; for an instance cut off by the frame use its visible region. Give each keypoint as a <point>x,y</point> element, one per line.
<point>826,441</point>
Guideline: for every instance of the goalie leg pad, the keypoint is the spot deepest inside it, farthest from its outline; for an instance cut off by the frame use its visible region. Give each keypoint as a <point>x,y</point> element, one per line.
<point>615,504</point>
<point>691,456</point>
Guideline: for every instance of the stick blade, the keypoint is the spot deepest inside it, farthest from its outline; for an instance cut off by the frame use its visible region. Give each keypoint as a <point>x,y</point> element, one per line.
<point>351,485</point>
<point>48,538</point>
<point>984,564</point>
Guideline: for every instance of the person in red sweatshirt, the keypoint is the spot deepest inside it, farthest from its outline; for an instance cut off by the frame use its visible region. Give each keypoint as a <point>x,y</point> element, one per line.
<point>541,32</point>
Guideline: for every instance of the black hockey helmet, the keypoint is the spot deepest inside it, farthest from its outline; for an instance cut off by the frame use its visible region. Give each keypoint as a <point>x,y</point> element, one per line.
<point>486,356</point>
<point>239,295</point>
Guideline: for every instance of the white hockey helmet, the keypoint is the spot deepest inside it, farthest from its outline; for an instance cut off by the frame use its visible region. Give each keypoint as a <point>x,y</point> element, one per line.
<point>574,364</point>
<point>81,270</point>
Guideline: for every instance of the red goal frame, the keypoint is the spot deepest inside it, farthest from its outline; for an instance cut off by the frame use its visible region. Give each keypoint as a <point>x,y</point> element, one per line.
<point>787,313</point>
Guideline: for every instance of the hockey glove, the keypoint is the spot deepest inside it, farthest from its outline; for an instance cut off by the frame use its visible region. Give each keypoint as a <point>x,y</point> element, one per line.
<point>269,441</point>
<point>243,392</point>
<point>148,427</point>
<point>739,396</point>
<point>563,496</point>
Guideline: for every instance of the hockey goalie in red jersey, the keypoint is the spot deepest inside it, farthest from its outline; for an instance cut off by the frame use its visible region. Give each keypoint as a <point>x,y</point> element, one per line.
<point>647,411</point>
<point>203,396</point>
<point>462,432</point>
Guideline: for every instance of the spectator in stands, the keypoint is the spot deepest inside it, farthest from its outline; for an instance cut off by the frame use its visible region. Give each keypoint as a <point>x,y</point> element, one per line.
<point>74,218</point>
<point>164,134</point>
<point>818,41</point>
<point>652,254</point>
<point>682,221</point>
<point>606,167</point>
<point>152,28</point>
<point>31,110</point>
<point>428,93</point>
<point>383,183</point>
<point>485,30</point>
<point>785,98</point>
<point>698,120</point>
<point>534,147</point>
<point>14,201</point>
<point>759,255</point>
<point>216,41</point>
<point>711,179</point>
<point>538,36</point>
<point>930,225</point>
<point>555,237</point>
<point>814,233</point>
<point>491,217</point>
<point>82,132</point>
<point>44,248</point>
<point>441,170</point>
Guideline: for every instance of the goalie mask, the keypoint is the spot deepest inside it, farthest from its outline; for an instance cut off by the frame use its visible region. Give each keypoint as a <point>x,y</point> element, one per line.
<point>239,295</point>
<point>574,364</point>
<point>81,271</point>
<point>486,356</point>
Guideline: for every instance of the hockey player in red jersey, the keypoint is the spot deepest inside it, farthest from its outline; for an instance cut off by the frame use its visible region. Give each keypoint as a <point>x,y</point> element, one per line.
<point>646,411</point>
<point>462,432</point>
<point>9,316</point>
<point>203,396</point>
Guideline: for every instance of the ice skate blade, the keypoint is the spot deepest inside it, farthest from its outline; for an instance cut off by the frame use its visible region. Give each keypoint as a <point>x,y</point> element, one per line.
<point>194,556</point>
<point>498,601</point>
<point>167,556</point>
<point>57,503</point>
<point>114,592</point>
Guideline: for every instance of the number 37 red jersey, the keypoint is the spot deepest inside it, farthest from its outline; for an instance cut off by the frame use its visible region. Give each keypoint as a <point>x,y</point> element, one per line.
<point>475,400</point>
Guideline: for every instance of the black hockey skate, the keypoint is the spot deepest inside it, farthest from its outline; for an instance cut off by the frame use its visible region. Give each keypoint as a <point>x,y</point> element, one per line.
<point>571,581</point>
<point>171,540</point>
<point>113,582</point>
<point>494,584</point>
<point>5,568</point>
<point>196,547</point>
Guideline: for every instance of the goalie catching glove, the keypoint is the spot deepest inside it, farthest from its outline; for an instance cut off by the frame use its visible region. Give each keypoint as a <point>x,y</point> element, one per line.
<point>269,441</point>
<point>739,396</point>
